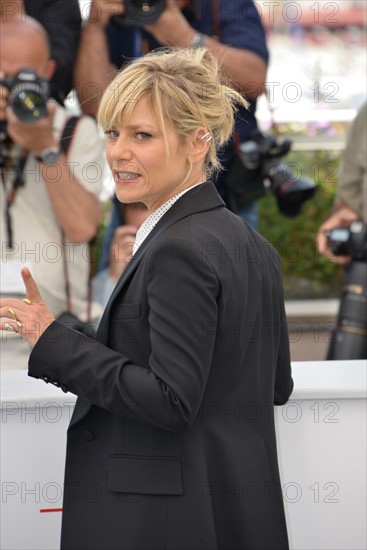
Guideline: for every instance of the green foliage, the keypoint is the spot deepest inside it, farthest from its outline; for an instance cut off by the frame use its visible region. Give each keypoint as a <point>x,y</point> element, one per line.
<point>307,274</point>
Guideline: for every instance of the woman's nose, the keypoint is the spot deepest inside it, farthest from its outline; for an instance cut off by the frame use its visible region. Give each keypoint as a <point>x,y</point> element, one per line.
<point>120,151</point>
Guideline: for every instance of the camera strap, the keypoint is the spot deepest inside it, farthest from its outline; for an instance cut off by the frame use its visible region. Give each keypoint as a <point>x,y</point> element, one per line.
<point>65,143</point>
<point>216,20</point>
<point>18,181</point>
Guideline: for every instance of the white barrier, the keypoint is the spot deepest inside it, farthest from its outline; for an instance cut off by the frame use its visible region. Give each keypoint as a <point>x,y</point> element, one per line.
<point>321,447</point>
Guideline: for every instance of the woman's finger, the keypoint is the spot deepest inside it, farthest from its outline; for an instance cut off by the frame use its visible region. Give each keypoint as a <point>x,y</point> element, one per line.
<point>10,327</point>
<point>32,291</point>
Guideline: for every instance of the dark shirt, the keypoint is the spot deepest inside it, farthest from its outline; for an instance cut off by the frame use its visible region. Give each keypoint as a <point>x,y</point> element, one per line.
<point>239,25</point>
<point>62,21</point>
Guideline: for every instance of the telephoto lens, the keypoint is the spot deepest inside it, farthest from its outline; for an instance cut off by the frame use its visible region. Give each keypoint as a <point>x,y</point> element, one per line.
<point>258,169</point>
<point>349,339</point>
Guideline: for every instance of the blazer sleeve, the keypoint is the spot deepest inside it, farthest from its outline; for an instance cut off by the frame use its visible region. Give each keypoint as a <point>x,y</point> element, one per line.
<point>283,376</point>
<point>182,295</point>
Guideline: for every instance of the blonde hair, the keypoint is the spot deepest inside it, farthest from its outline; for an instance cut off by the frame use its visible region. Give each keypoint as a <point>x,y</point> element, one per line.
<point>184,87</point>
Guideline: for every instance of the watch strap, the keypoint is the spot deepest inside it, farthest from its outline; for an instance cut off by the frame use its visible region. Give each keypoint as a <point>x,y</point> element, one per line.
<point>198,41</point>
<point>50,155</point>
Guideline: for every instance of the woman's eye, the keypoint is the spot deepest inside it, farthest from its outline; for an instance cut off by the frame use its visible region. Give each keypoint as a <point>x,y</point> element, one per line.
<point>112,134</point>
<point>143,136</point>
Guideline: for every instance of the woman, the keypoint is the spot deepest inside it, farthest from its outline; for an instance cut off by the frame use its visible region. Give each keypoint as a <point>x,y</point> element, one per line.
<point>173,426</point>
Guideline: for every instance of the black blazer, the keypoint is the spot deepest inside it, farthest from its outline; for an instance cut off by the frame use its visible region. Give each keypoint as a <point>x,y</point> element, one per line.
<point>172,442</point>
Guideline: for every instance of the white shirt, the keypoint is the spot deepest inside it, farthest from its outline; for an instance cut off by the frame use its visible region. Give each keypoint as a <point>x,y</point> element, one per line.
<point>155,216</point>
<point>38,241</point>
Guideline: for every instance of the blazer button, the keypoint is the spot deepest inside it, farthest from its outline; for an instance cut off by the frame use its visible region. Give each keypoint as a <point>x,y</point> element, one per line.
<point>87,435</point>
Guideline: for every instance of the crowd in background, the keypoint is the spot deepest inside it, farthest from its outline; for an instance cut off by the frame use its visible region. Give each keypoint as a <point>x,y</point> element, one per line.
<point>85,57</point>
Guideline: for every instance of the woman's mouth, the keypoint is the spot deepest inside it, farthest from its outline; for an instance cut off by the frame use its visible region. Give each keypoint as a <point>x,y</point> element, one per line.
<point>126,177</point>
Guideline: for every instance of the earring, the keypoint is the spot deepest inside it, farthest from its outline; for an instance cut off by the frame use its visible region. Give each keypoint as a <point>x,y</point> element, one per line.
<point>207,137</point>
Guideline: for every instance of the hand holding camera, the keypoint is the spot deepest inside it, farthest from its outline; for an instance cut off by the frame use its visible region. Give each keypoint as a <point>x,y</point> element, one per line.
<point>26,115</point>
<point>101,12</point>
<point>345,235</point>
<point>35,137</point>
<point>172,27</point>
<point>125,13</point>
<point>341,218</point>
<point>163,19</point>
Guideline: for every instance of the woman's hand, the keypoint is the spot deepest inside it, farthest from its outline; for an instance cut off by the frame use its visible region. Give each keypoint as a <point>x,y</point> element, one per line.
<point>29,317</point>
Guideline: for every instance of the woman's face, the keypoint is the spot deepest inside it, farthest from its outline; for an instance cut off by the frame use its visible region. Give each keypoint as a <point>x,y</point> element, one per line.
<point>137,156</point>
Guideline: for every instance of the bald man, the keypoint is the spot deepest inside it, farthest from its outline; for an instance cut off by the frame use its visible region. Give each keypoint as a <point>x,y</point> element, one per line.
<point>62,21</point>
<point>49,201</point>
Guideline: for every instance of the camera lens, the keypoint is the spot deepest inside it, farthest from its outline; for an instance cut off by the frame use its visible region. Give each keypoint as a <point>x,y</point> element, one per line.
<point>144,6</point>
<point>140,13</point>
<point>28,102</point>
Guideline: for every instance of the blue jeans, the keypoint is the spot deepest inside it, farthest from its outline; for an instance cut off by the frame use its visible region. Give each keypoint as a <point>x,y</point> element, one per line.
<point>250,213</point>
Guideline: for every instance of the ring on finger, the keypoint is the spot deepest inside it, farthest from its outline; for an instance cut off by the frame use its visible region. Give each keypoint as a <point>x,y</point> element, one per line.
<point>13,314</point>
<point>27,301</point>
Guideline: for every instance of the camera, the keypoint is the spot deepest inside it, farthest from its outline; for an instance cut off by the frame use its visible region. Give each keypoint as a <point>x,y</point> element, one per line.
<point>257,169</point>
<point>349,337</point>
<point>28,95</point>
<point>349,241</point>
<point>139,13</point>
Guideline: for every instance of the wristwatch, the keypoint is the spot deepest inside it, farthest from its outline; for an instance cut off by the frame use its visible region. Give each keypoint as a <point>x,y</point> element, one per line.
<point>198,41</point>
<point>50,155</point>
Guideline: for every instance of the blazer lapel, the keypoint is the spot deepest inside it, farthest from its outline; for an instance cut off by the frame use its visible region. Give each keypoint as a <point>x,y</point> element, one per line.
<point>198,199</point>
<point>102,331</point>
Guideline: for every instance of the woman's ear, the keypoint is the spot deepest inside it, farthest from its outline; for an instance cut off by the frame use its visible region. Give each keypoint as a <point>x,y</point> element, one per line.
<point>200,144</point>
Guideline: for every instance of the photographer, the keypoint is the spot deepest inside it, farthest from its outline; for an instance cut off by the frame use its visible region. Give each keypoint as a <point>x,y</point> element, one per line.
<point>62,22</point>
<point>342,239</point>
<point>49,201</point>
<point>350,204</point>
<point>231,30</point>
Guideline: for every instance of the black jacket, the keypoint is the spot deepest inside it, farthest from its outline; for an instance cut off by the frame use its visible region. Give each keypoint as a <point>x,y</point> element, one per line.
<point>172,442</point>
